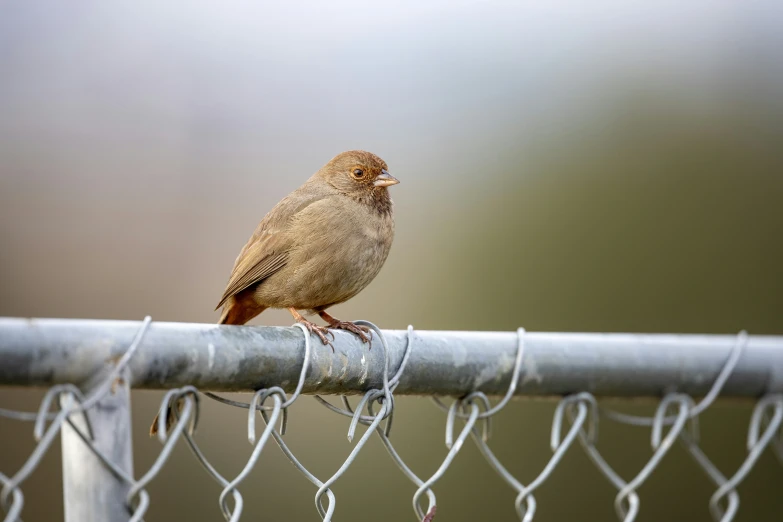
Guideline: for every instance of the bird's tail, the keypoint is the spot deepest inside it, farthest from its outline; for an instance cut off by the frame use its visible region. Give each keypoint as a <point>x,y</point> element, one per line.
<point>237,311</point>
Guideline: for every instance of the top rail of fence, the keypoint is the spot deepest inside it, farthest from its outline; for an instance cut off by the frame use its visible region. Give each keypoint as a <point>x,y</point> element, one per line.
<point>43,352</point>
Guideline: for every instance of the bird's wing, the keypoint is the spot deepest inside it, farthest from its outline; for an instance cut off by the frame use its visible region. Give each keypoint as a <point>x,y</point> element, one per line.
<point>267,250</point>
<point>253,268</point>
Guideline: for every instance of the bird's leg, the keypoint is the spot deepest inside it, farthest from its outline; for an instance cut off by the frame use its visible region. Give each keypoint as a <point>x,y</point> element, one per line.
<point>362,331</point>
<point>320,331</point>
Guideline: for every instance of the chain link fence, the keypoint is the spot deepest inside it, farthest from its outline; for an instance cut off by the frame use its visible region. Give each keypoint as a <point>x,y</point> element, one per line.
<point>94,416</point>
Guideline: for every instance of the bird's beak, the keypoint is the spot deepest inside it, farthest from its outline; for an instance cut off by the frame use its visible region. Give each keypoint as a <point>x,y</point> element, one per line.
<point>385,179</point>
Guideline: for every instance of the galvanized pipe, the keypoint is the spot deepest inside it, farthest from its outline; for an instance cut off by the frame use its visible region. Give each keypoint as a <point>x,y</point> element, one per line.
<point>43,352</point>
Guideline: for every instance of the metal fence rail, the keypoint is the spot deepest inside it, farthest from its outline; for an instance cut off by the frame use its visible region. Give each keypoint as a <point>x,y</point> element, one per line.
<point>90,366</point>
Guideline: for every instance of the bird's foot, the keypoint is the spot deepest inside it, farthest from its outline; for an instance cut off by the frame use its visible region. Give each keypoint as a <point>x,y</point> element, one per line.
<point>320,331</point>
<point>364,332</point>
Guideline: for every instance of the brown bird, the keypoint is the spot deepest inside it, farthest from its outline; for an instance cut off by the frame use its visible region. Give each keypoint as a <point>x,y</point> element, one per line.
<point>318,247</point>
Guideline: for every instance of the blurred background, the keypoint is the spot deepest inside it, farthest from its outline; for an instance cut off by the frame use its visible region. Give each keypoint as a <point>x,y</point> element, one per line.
<point>565,166</point>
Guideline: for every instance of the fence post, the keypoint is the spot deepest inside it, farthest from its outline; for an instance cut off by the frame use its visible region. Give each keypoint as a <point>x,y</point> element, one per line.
<point>92,493</point>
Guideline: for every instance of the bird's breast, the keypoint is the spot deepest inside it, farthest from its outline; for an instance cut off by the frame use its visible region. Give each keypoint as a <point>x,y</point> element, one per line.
<point>342,253</point>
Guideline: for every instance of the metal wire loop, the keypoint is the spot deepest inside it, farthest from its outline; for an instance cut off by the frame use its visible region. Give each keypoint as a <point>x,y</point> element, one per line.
<point>189,396</point>
<point>681,401</point>
<point>512,386</point>
<point>392,383</point>
<point>15,509</point>
<point>706,402</point>
<point>257,402</point>
<point>66,392</point>
<point>526,513</point>
<point>173,401</point>
<point>626,510</point>
<point>453,451</point>
<point>299,385</point>
<point>757,443</point>
<point>571,402</point>
<point>279,397</point>
<point>326,513</point>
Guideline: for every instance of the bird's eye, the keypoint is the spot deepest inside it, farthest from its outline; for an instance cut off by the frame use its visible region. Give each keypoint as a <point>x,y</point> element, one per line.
<point>358,173</point>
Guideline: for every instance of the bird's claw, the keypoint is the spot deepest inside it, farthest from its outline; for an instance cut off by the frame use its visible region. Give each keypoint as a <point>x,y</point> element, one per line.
<point>320,331</point>
<point>364,332</point>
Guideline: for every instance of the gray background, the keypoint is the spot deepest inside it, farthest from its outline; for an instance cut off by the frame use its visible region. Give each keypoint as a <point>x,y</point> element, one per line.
<point>611,166</point>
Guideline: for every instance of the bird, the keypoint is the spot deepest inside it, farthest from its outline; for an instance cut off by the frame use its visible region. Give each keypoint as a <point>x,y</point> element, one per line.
<point>318,247</point>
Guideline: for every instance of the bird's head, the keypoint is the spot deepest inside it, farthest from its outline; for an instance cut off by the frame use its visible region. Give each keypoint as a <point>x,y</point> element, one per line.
<point>357,172</point>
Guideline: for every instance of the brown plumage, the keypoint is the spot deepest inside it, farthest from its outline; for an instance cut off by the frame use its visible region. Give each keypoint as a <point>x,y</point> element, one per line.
<point>318,247</point>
